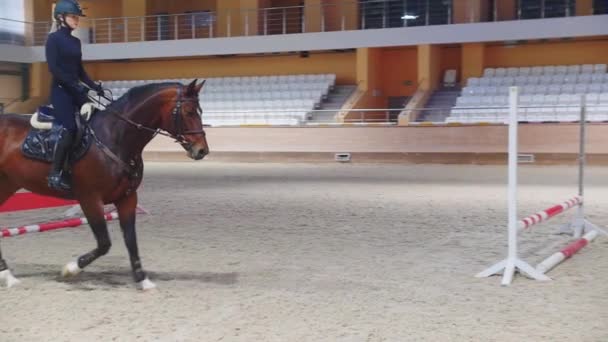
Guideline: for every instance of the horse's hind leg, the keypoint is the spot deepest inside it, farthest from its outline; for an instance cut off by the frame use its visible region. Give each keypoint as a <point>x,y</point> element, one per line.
<point>93,210</point>
<point>6,277</point>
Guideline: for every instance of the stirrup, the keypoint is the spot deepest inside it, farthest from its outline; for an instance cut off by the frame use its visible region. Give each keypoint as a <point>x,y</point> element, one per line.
<point>58,182</point>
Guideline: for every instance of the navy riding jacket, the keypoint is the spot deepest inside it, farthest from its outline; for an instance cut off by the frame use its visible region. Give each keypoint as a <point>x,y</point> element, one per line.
<point>64,57</point>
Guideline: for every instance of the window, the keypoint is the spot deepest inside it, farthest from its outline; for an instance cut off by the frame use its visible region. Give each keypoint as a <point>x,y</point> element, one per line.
<point>600,7</point>
<point>401,13</point>
<point>535,9</point>
<point>202,19</point>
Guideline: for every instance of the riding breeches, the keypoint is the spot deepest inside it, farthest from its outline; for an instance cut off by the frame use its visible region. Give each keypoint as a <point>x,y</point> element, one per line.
<point>64,107</point>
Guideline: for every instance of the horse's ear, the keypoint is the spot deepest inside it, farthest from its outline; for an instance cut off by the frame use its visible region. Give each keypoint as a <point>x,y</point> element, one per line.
<point>194,89</point>
<point>199,86</point>
<point>191,86</point>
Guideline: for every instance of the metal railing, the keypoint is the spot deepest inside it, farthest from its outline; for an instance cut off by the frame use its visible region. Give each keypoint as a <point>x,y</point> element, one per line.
<point>535,9</point>
<point>336,16</point>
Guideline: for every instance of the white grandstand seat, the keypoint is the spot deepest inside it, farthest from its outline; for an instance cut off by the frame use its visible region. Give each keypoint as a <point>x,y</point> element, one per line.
<point>538,99</point>
<point>603,98</point>
<point>587,69</point>
<point>598,113</point>
<point>580,88</point>
<point>536,71</point>
<point>475,101</point>
<point>571,78</point>
<point>495,90</point>
<point>484,82</point>
<point>524,71</point>
<point>495,81</point>
<point>554,89</point>
<point>508,81</point>
<point>551,99</point>
<point>525,99</point>
<point>597,78</point>
<point>449,78</point>
<point>540,89</point>
<point>500,100</point>
<point>489,72</point>
<point>549,70</point>
<point>528,89</point>
<point>574,69</point>
<point>500,72</point>
<point>605,87</point>
<point>532,80</point>
<point>591,99</point>
<point>520,80</point>
<point>561,70</point>
<point>584,78</point>
<point>473,81</point>
<point>470,91</point>
<point>487,101</point>
<point>512,71</point>
<point>594,88</point>
<point>600,68</point>
<point>570,113</point>
<point>567,88</point>
<point>546,79</point>
<point>563,99</point>
<point>558,79</point>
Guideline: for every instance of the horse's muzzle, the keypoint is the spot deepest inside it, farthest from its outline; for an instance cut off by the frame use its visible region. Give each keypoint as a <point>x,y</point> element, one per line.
<point>198,154</point>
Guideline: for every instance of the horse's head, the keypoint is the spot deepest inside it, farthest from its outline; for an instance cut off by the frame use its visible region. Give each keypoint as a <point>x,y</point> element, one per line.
<point>184,120</point>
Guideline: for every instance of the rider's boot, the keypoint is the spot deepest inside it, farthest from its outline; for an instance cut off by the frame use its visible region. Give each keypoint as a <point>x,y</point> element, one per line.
<point>58,180</point>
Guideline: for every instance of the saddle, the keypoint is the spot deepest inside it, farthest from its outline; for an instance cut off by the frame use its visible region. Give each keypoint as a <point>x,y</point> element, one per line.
<point>41,139</point>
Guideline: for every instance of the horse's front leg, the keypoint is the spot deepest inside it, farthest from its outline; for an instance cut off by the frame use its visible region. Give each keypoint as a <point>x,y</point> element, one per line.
<point>94,212</point>
<point>127,208</point>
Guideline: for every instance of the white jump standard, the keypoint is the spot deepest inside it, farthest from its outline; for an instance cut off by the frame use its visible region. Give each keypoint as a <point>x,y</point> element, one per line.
<point>580,225</point>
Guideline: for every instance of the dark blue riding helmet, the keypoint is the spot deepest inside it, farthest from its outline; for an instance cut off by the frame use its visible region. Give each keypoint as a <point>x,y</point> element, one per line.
<point>68,7</point>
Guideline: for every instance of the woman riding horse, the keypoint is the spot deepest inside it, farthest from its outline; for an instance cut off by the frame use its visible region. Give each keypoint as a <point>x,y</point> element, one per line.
<point>64,57</point>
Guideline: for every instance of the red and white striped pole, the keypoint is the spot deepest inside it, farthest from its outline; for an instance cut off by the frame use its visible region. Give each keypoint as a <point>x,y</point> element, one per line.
<point>546,214</point>
<point>568,251</point>
<point>45,227</point>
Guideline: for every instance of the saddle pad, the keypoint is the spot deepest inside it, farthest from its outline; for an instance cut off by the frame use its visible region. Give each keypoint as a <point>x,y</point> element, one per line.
<point>39,145</point>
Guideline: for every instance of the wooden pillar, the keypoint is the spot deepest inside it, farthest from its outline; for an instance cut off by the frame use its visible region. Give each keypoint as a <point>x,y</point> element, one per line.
<point>584,7</point>
<point>506,9</point>
<point>429,67</point>
<point>135,27</point>
<point>312,16</point>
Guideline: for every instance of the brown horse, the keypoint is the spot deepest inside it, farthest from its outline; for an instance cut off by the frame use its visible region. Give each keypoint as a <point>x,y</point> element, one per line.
<point>112,169</point>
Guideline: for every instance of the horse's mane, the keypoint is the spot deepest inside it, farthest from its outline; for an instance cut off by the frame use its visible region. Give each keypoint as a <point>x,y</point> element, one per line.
<point>139,93</point>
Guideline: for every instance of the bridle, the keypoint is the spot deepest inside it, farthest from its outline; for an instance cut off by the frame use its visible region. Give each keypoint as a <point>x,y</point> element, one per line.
<point>176,116</point>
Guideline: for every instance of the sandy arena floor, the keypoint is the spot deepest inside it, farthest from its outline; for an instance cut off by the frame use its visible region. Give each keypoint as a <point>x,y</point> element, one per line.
<point>300,252</point>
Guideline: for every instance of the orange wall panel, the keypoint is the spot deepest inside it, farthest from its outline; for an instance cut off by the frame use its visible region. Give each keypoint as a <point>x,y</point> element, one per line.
<point>398,66</point>
<point>339,14</point>
<point>472,60</point>
<point>552,53</point>
<point>341,64</point>
<point>451,58</point>
<point>584,7</point>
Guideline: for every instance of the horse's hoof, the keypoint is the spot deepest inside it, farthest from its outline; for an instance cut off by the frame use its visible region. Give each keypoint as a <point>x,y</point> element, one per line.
<point>8,279</point>
<point>146,285</point>
<point>70,270</point>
